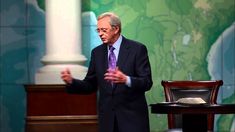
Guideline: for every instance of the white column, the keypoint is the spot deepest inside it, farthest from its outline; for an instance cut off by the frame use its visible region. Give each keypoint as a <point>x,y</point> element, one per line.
<point>63,42</point>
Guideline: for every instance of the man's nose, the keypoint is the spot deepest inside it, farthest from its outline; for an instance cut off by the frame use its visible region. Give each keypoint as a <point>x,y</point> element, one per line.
<point>100,34</point>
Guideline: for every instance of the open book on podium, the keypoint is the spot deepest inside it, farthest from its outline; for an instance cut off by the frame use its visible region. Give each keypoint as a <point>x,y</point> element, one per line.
<point>190,100</point>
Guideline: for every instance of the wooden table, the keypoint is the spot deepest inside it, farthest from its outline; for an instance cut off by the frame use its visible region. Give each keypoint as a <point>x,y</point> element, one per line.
<point>188,111</point>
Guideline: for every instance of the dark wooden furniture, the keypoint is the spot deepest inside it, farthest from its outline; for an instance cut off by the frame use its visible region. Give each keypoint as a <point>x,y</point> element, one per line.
<point>189,125</point>
<point>51,109</point>
<point>207,90</point>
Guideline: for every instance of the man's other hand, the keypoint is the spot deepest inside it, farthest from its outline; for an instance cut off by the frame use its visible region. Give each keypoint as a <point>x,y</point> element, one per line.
<point>66,76</point>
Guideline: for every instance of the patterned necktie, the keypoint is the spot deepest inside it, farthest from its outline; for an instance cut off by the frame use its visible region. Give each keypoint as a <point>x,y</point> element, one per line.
<point>112,58</point>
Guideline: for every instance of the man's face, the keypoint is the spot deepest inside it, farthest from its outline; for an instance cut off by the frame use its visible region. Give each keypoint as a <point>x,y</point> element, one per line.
<point>107,33</point>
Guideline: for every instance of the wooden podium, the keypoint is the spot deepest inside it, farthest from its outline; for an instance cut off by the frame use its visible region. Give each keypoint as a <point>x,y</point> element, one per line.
<point>51,109</point>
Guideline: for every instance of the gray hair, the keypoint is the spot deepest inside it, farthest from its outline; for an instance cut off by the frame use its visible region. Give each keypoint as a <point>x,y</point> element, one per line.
<point>114,19</point>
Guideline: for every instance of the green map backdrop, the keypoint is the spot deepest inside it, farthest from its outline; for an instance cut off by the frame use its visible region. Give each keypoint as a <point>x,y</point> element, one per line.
<point>186,40</point>
<point>179,35</point>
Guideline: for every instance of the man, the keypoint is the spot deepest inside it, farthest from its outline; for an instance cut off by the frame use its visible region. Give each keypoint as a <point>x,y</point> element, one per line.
<point>121,70</point>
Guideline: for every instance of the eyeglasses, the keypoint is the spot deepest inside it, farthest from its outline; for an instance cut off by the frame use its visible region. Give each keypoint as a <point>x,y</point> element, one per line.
<point>104,30</point>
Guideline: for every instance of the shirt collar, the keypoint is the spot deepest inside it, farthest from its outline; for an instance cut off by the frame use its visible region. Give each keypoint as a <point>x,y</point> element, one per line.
<point>117,44</point>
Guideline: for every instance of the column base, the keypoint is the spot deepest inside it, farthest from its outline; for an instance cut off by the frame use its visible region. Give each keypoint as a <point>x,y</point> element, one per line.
<point>50,74</point>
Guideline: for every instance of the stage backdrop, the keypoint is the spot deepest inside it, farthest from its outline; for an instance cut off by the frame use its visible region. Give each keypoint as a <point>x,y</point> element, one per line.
<point>186,40</point>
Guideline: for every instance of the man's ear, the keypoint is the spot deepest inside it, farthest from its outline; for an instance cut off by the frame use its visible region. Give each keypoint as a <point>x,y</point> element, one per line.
<point>117,29</point>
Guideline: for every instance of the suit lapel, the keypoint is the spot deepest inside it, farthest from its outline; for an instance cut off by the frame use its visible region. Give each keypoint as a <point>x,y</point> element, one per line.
<point>104,63</point>
<point>105,57</point>
<point>123,53</point>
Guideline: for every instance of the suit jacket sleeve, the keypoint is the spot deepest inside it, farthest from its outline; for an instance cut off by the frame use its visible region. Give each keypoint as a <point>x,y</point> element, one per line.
<point>142,81</point>
<point>87,85</point>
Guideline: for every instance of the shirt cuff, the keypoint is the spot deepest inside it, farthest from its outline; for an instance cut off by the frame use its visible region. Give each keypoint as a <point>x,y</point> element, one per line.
<point>128,82</point>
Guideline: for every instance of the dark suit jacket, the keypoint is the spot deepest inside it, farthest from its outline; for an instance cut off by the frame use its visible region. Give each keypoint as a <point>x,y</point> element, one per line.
<point>127,104</point>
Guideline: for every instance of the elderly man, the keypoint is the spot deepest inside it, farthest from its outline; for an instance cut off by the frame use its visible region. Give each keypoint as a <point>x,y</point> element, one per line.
<point>120,70</point>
